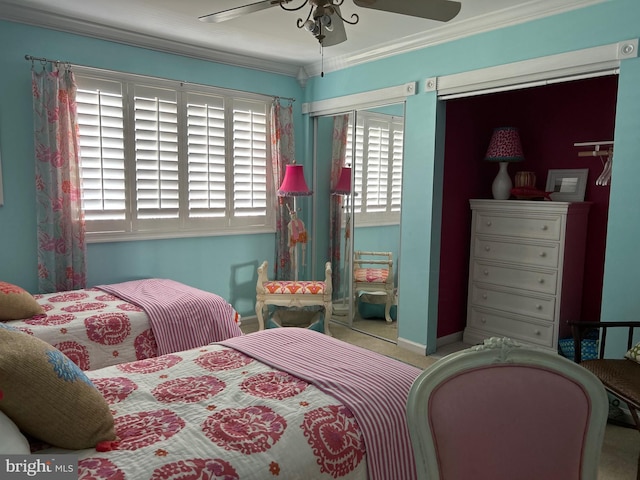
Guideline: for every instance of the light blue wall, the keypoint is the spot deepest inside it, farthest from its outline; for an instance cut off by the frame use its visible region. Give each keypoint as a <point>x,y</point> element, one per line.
<point>606,23</point>
<point>601,24</point>
<point>225,264</point>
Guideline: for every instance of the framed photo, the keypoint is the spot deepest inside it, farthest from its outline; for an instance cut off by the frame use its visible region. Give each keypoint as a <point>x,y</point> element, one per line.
<point>567,185</point>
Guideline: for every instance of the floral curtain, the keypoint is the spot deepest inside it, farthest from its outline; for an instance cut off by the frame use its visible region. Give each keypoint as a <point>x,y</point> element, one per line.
<point>336,242</point>
<point>60,220</point>
<point>282,153</point>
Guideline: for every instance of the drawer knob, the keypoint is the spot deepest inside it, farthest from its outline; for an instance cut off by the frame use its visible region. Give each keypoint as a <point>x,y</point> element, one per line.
<point>487,248</point>
<point>485,272</point>
<point>484,296</point>
<point>489,223</point>
<point>543,254</point>
<point>483,320</point>
<point>541,280</point>
<point>537,332</point>
<point>539,307</point>
<point>544,227</point>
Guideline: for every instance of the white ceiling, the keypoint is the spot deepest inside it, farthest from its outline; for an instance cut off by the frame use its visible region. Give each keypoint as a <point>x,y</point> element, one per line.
<point>269,40</point>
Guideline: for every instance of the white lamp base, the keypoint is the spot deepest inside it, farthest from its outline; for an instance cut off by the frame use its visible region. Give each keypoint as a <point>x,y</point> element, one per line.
<point>501,187</point>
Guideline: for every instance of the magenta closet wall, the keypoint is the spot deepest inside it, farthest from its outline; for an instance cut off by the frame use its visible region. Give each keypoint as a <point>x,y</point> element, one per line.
<point>551,119</point>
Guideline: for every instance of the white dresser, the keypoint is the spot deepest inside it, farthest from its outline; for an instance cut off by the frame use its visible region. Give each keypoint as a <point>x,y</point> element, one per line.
<point>526,268</point>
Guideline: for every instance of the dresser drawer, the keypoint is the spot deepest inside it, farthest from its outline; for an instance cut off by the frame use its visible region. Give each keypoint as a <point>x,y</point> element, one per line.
<point>547,227</point>
<point>530,254</point>
<point>535,280</point>
<point>543,308</point>
<point>496,325</point>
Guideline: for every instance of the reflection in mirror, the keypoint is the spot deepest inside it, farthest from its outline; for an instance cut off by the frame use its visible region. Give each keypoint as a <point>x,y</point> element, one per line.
<point>365,216</point>
<point>377,156</point>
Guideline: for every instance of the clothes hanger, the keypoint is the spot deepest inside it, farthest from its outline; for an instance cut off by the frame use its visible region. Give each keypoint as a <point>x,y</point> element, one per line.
<point>605,176</point>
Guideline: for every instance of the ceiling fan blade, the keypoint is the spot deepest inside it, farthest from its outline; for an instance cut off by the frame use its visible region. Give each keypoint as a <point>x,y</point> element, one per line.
<point>441,10</point>
<point>231,13</point>
<point>337,34</point>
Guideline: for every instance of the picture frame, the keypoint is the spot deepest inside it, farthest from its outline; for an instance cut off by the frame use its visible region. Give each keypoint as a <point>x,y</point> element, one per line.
<point>567,185</point>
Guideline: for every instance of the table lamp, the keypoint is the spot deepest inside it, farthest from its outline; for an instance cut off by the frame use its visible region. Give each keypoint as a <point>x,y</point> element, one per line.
<point>504,147</point>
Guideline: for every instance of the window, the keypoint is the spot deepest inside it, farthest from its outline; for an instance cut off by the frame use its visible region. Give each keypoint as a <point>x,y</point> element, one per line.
<point>162,159</point>
<point>378,167</point>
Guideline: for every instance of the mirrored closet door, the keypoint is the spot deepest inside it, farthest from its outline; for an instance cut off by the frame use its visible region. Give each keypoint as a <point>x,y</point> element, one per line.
<point>359,154</point>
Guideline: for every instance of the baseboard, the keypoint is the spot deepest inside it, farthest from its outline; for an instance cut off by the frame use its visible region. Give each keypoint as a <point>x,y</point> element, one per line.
<point>448,339</point>
<point>249,321</point>
<point>413,347</point>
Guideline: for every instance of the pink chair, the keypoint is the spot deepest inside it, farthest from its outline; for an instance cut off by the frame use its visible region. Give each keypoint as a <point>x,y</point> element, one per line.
<point>502,411</point>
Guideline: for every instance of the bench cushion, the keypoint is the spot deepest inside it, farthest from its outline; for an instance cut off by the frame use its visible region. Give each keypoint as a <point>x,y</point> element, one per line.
<point>289,287</point>
<point>371,275</point>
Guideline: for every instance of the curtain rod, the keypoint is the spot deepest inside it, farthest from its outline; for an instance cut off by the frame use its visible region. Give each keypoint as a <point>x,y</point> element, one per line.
<point>32,59</point>
<point>44,60</point>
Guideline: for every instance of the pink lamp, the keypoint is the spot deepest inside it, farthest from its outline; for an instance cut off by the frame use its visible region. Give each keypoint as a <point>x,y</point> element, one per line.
<point>504,147</point>
<point>344,182</point>
<point>294,185</point>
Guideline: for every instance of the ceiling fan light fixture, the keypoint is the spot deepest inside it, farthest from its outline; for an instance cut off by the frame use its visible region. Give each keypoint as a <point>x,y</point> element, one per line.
<point>326,22</point>
<point>312,27</point>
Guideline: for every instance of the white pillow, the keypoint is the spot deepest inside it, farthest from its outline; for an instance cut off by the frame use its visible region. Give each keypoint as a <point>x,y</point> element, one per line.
<point>12,442</point>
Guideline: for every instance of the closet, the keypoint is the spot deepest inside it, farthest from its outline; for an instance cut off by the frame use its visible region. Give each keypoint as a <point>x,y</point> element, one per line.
<point>552,119</point>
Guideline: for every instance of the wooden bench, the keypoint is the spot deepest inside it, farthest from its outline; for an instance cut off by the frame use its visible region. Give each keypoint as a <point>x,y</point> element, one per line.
<point>298,294</point>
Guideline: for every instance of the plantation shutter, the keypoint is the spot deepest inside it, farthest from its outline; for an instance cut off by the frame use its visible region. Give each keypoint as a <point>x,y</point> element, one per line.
<point>161,159</point>
<point>379,140</point>
<point>156,153</point>
<point>249,161</point>
<point>102,153</point>
<point>358,163</point>
<point>206,156</point>
<point>396,165</point>
<point>377,158</point>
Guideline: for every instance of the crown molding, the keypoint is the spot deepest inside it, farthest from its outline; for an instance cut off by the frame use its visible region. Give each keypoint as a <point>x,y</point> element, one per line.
<point>448,32</point>
<point>39,18</point>
<point>533,10</point>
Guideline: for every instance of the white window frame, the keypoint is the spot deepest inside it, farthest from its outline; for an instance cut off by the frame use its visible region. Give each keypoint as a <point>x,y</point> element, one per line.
<point>257,204</point>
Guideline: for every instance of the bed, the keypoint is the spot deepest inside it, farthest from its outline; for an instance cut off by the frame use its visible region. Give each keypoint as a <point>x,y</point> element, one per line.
<point>278,403</point>
<point>117,323</point>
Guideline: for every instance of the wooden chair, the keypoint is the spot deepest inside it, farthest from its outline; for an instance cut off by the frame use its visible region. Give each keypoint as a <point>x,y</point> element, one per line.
<point>297,294</point>
<point>620,376</point>
<point>373,272</point>
<point>505,411</point>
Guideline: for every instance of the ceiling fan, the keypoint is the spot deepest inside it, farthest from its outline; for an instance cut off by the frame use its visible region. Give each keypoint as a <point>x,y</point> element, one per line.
<point>326,23</point>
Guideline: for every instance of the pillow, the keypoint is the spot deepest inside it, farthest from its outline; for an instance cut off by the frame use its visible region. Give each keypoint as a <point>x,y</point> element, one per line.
<point>16,303</point>
<point>12,442</point>
<point>634,353</point>
<point>47,395</point>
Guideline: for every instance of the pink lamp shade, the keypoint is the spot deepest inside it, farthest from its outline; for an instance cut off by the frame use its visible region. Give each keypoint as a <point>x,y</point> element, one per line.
<point>344,182</point>
<point>505,146</point>
<point>293,184</point>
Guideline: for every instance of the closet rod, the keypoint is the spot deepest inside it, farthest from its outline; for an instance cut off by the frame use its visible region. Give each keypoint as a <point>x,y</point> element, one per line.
<point>31,58</point>
<point>591,144</point>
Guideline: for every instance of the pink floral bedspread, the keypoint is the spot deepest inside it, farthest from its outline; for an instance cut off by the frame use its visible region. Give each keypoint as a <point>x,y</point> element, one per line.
<point>216,413</point>
<point>95,329</point>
